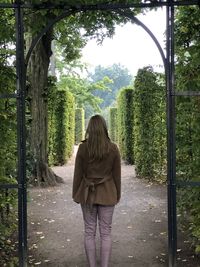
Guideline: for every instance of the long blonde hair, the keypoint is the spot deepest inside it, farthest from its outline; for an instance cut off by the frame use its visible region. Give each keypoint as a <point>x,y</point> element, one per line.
<point>98,141</point>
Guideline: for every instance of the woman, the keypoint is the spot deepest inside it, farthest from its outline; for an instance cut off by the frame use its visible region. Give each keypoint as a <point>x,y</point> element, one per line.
<point>97,187</point>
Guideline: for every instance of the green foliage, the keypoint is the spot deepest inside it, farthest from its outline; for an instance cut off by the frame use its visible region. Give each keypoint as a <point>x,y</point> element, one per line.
<point>79,125</point>
<point>120,77</point>
<point>7,33</point>
<point>82,90</point>
<point>149,120</point>
<point>8,154</point>
<point>8,163</point>
<point>61,125</point>
<point>113,127</point>
<point>142,124</point>
<point>8,133</point>
<point>52,102</point>
<point>125,114</point>
<point>8,225</point>
<point>65,124</point>
<point>187,48</point>
<point>72,32</point>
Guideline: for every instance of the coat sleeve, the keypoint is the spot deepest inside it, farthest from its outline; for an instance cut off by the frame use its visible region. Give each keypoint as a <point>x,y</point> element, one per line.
<point>78,172</point>
<point>117,173</point>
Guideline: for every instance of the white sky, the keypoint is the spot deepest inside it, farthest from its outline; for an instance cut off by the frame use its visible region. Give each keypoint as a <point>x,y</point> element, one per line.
<point>131,46</point>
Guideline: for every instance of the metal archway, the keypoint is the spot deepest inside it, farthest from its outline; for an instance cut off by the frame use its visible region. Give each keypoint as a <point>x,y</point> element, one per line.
<point>168,62</point>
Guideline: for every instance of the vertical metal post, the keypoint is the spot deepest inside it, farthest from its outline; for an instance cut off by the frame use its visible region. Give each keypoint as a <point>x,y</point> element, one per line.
<point>171,147</point>
<point>21,80</point>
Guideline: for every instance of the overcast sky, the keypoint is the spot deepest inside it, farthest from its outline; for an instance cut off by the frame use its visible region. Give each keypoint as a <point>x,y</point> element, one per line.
<point>131,45</point>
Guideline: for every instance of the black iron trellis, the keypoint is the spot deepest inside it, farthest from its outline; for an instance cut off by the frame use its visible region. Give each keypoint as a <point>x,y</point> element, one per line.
<point>168,62</point>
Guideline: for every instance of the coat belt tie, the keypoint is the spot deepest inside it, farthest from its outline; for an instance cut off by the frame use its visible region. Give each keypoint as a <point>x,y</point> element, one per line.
<point>90,187</point>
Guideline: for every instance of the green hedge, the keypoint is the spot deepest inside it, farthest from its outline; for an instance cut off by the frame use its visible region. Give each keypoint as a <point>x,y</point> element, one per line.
<point>125,101</point>
<point>52,103</point>
<point>8,166</point>
<point>79,125</point>
<point>64,127</point>
<point>149,120</point>
<point>187,74</point>
<point>113,127</point>
<point>188,165</point>
<point>61,125</point>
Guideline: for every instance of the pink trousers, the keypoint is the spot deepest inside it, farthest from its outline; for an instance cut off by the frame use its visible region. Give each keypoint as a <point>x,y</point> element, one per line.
<point>104,215</point>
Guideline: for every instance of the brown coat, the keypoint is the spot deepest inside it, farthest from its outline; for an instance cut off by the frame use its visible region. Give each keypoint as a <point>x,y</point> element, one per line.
<point>105,172</point>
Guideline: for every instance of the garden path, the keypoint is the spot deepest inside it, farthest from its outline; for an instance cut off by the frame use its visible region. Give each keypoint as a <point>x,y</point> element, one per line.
<point>55,225</point>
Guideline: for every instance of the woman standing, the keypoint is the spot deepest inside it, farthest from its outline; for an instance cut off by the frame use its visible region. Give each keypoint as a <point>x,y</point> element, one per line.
<point>97,187</point>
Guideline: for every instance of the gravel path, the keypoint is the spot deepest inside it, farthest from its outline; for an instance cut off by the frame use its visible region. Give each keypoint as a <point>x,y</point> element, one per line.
<point>55,225</point>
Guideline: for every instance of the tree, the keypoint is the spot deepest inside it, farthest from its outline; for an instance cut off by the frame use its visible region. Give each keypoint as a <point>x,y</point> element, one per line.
<point>97,24</point>
<point>120,77</point>
<point>82,90</point>
<point>67,32</point>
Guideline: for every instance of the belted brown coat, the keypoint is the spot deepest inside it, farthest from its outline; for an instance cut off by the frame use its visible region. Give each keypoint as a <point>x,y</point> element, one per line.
<point>97,181</point>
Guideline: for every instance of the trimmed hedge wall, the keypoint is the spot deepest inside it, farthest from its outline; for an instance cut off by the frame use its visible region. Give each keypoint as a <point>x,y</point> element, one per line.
<point>125,101</point>
<point>64,125</point>
<point>149,132</point>
<point>141,123</point>
<point>150,146</point>
<point>79,125</point>
<point>61,125</point>
<point>52,103</point>
<point>113,128</point>
<point>188,165</point>
<point>8,166</point>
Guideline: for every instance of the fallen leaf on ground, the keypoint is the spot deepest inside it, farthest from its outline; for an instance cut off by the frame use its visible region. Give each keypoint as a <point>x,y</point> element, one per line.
<point>37,263</point>
<point>163,233</point>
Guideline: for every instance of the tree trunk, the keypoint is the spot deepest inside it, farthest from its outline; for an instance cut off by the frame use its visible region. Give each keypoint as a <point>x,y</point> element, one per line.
<point>38,132</point>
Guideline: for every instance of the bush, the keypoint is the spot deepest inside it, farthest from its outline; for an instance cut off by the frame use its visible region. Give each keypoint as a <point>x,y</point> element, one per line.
<point>113,128</point>
<point>79,125</point>
<point>187,165</point>
<point>149,120</point>
<point>52,103</point>
<point>126,124</point>
<point>64,127</point>
<point>8,166</point>
<point>61,125</point>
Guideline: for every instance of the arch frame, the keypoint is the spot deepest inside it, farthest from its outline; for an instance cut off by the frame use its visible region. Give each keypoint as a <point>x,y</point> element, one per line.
<point>168,62</point>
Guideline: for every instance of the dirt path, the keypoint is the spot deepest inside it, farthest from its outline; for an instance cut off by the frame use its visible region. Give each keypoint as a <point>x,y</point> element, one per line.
<point>55,225</point>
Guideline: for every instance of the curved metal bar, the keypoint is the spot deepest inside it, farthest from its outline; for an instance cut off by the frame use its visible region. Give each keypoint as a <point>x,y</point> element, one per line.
<point>68,13</point>
<point>103,6</point>
<point>138,22</point>
<point>44,30</point>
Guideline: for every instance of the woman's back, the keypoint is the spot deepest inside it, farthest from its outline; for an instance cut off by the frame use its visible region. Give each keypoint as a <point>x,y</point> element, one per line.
<point>99,167</point>
<point>104,173</point>
<point>97,186</point>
